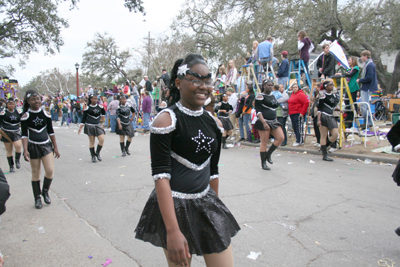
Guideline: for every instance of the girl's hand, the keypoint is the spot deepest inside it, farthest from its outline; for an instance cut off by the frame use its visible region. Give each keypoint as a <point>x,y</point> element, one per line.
<point>301,115</point>
<point>27,156</point>
<point>178,249</point>
<point>266,126</point>
<point>120,127</point>
<point>319,123</point>
<point>79,131</point>
<point>56,153</point>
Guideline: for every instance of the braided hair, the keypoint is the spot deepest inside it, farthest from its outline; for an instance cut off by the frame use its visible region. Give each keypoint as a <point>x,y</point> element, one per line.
<point>190,60</point>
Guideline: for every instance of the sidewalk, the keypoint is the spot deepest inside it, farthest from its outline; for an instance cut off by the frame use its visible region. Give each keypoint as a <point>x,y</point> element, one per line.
<point>66,239</point>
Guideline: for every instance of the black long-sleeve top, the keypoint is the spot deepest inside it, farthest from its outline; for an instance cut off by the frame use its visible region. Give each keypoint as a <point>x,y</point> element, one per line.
<point>10,121</point>
<point>328,68</point>
<point>36,125</point>
<point>249,102</point>
<point>351,74</point>
<point>124,112</point>
<point>327,103</point>
<point>266,105</point>
<point>92,114</point>
<point>225,106</point>
<point>186,152</point>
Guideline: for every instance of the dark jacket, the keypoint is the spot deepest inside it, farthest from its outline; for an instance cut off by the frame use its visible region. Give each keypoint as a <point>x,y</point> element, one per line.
<point>4,192</point>
<point>240,107</point>
<point>370,81</point>
<point>249,102</point>
<point>329,62</point>
<point>283,70</point>
<point>148,86</point>
<point>166,79</point>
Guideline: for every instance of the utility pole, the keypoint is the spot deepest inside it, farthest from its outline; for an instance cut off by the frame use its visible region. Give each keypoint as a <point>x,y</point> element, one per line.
<point>148,48</point>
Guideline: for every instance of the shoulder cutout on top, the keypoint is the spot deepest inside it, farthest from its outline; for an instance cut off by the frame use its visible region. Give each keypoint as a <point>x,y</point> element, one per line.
<point>25,116</point>
<point>159,121</point>
<point>46,113</point>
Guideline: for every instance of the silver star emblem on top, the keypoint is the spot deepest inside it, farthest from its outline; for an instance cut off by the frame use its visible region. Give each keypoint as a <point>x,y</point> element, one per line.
<point>38,121</point>
<point>203,142</point>
<point>96,111</point>
<point>13,118</point>
<point>183,69</point>
<point>332,100</point>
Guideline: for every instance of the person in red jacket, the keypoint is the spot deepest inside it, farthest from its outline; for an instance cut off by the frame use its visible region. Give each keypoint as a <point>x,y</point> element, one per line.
<point>298,105</point>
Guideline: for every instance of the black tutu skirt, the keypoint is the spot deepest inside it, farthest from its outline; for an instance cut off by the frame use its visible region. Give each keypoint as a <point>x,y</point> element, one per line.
<point>396,174</point>
<point>273,124</point>
<point>206,222</point>
<point>37,151</point>
<point>329,122</point>
<point>127,129</point>
<point>226,123</point>
<point>14,136</point>
<point>93,129</point>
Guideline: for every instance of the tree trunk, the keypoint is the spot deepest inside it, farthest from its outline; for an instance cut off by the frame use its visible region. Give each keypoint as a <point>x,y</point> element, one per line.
<point>395,76</point>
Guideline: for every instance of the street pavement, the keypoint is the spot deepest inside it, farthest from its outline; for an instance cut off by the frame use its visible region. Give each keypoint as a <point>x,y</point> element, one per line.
<point>300,213</point>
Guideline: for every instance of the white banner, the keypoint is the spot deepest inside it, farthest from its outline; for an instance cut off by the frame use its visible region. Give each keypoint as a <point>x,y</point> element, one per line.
<point>142,83</point>
<point>339,54</point>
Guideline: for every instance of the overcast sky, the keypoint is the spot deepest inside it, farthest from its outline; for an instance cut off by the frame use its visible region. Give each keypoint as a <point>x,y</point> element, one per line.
<point>93,16</point>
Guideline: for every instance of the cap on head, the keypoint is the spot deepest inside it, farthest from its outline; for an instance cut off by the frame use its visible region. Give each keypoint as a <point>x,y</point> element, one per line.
<point>285,53</point>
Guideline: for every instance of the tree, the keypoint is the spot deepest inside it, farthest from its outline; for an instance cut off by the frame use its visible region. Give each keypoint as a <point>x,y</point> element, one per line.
<point>226,28</point>
<point>103,57</point>
<point>164,51</point>
<point>26,25</point>
<point>52,81</point>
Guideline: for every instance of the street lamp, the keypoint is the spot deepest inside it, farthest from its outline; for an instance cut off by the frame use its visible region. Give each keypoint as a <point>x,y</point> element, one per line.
<point>77,79</point>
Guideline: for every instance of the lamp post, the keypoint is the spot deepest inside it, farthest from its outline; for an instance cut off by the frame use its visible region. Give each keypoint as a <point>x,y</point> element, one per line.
<point>77,79</point>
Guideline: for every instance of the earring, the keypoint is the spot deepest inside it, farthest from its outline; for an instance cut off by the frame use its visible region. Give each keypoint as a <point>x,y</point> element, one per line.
<point>179,88</point>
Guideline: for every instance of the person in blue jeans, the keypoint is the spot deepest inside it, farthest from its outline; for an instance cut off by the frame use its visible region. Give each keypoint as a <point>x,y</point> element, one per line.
<point>244,111</point>
<point>64,115</point>
<point>146,108</point>
<point>112,108</point>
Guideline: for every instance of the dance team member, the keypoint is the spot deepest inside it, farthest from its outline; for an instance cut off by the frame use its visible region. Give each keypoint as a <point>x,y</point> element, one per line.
<point>125,115</point>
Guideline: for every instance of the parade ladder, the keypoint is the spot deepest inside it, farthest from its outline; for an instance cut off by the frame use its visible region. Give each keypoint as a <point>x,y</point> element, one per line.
<point>342,129</point>
<point>249,69</point>
<point>266,73</point>
<point>296,66</point>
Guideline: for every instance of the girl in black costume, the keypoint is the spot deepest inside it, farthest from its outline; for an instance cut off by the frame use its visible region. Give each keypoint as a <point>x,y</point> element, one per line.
<point>125,127</point>
<point>267,123</point>
<point>91,121</point>
<point>10,120</point>
<point>39,144</point>
<point>184,214</point>
<point>326,122</point>
<point>223,116</point>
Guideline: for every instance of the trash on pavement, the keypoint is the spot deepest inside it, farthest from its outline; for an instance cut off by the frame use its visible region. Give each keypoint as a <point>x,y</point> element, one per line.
<point>311,161</point>
<point>253,255</point>
<point>359,160</point>
<point>115,157</point>
<point>248,226</point>
<point>290,163</point>
<point>41,230</point>
<point>90,257</point>
<point>229,145</point>
<point>290,227</point>
<point>348,164</point>
<point>108,261</point>
<point>277,155</point>
<point>368,161</point>
<point>88,182</point>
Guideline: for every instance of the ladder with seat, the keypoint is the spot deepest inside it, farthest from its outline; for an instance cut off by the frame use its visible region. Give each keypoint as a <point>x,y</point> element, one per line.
<point>342,129</point>
<point>266,71</point>
<point>249,70</point>
<point>296,66</point>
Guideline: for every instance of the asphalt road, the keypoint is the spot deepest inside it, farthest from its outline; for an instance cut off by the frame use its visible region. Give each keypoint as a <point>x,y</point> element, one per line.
<point>297,214</point>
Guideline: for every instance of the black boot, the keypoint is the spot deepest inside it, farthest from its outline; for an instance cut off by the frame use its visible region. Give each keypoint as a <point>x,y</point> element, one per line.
<point>325,154</point>
<point>11,163</point>
<point>127,147</point>
<point>99,147</point>
<point>17,157</point>
<point>36,194</point>
<point>45,190</point>
<point>397,231</point>
<point>122,145</point>
<point>263,156</point>
<point>269,153</point>
<point>224,142</point>
<point>93,154</point>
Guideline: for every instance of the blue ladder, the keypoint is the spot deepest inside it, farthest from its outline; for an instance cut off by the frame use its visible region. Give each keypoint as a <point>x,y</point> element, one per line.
<point>297,71</point>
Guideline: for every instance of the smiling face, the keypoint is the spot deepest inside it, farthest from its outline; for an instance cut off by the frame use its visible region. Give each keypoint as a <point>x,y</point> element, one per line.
<point>193,97</point>
<point>350,61</point>
<point>295,88</point>
<point>123,100</point>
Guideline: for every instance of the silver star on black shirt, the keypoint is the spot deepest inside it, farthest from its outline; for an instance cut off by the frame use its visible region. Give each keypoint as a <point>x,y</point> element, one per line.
<point>96,111</point>
<point>38,121</point>
<point>203,142</point>
<point>13,118</point>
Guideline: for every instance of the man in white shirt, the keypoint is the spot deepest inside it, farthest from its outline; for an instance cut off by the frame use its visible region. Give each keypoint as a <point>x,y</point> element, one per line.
<point>90,90</point>
<point>233,101</point>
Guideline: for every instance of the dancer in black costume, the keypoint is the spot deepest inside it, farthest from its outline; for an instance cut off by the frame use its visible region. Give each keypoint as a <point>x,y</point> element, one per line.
<point>40,146</point>
<point>223,116</point>
<point>267,123</point>
<point>326,121</point>
<point>184,214</point>
<point>91,121</point>
<point>124,124</point>
<point>10,120</point>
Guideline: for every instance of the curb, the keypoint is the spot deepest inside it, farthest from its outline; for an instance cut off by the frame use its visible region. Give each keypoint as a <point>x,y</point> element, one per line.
<point>334,154</point>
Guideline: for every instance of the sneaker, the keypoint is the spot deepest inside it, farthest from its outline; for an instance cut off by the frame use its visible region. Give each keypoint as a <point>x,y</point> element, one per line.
<point>316,144</point>
<point>332,149</point>
<point>232,138</point>
<point>296,144</point>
